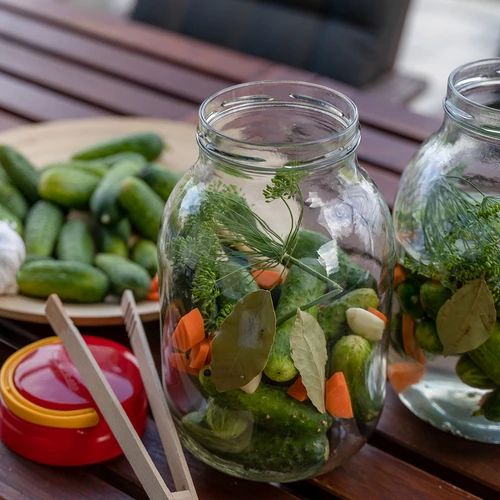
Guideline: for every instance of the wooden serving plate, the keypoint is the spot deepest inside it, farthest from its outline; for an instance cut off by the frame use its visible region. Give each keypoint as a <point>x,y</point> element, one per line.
<point>56,141</point>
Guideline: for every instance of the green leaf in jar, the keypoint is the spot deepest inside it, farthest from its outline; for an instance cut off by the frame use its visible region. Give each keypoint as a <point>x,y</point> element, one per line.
<point>241,347</point>
<point>308,345</point>
<point>464,322</point>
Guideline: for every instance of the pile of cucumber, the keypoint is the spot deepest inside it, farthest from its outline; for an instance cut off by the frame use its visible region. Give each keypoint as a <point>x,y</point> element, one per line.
<point>89,224</point>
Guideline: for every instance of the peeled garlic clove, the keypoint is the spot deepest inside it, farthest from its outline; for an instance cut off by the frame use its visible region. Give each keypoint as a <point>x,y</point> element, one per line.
<point>251,387</point>
<point>365,324</point>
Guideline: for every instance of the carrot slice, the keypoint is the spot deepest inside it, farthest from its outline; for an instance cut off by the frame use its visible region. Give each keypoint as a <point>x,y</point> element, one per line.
<point>178,360</point>
<point>404,374</point>
<point>267,279</point>
<point>199,354</point>
<point>411,347</point>
<point>338,400</point>
<point>399,275</point>
<point>154,284</point>
<point>153,296</point>
<point>298,390</point>
<point>377,313</point>
<point>189,331</point>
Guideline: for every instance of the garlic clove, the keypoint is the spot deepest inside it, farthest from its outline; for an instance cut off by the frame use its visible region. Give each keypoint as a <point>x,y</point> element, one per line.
<point>365,324</point>
<point>252,386</point>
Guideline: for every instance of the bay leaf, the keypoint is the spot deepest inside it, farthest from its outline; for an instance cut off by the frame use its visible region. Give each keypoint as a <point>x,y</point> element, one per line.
<point>465,320</point>
<point>241,348</point>
<point>308,346</point>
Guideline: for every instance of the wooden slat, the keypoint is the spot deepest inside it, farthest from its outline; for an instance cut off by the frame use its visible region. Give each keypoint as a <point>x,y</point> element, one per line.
<point>477,461</point>
<point>88,85</point>
<point>35,103</point>
<point>184,83</point>
<point>158,43</point>
<point>373,474</point>
<point>10,121</point>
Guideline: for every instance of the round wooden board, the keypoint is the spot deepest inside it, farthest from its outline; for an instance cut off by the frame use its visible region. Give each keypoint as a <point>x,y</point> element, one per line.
<point>57,141</point>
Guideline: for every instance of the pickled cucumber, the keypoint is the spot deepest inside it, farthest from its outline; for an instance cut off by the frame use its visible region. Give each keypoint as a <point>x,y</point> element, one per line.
<point>428,338</point>
<point>487,355</point>
<point>490,407</point>
<point>409,298</point>
<point>470,374</point>
<point>432,297</point>
<point>225,423</point>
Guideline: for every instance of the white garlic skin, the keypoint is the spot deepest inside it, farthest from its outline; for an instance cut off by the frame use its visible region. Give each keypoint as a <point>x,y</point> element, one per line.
<point>12,255</point>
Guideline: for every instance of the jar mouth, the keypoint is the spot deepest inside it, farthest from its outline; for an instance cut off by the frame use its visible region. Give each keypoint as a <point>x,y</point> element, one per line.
<point>473,97</point>
<point>266,125</point>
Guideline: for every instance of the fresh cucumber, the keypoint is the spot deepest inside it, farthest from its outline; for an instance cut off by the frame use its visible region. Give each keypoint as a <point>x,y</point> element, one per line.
<point>110,242</point>
<point>352,355</point>
<point>68,187</point>
<point>75,243</point>
<point>104,204</point>
<point>33,257</point>
<point>271,407</point>
<point>145,254</point>
<point>12,199</point>
<point>487,355</point>
<point>12,220</point>
<point>300,287</point>
<point>160,180</point>
<point>427,337</point>
<point>332,318</point>
<point>433,295</point>
<point>43,223</point>
<point>149,145</point>
<point>470,374</point>
<point>124,275</point>
<point>20,171</point>
<point>91,167</point>
<point>490,406</point>
<point>143,207</point>
<point>72,281</point>
<point>225,423</point>
<point>111,160</point>
<point>123,229</point>
<point>409,298</point>
<point>4,178</point>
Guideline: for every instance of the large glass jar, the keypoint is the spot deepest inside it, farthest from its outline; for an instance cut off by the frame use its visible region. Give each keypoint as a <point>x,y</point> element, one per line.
<point>272,248</point>
<point>446,335</point>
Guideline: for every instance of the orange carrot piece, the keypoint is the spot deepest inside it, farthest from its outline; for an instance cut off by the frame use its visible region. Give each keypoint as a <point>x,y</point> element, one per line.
<point>410,345</point>
<point>189,332</point>
<point>178,360</point>
<point>153,296</point>
<point>267,279</point>
<point>399,275</point>
<point>199,354</point>
<point>404,374</point>
<point>377,313</point>
<point>154,284</point>
<point>298,391</point>
<point>338,400</point>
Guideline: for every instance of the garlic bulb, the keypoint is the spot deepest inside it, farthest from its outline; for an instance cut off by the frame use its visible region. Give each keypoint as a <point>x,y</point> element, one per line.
<point>12,255</point>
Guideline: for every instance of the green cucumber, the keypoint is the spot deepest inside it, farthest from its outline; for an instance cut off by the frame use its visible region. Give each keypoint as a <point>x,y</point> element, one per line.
<point>123,229</point>
<point>427,337</point>
<point>12,199</point>
<point>470,374</point>
<point>265,451</point>
<point>332,318</point>
<point>299,288</point>
<point>4,178</point>
<point>21,172</point>
<point>124,275</point>
<point>433,295</point>
<point>270,406</point>
<point>111,160</point>
<point>352,356</point>
<point>12,220</point>
<point>487,355</point>
<point>490,406</point>
<point>145,254</point>
<point>225,423</point>
<point>72,281</point>
<point>75,243</point>
<point>149,145</point>
<point>68,187</point>
<point>409,298</point>
<point>43,223</point>
<point>104,204</point>
<point>160,180</point>
<point>143,207</point>
<point>110,242</point>
<point>33,257</point>
<point>91,167</point>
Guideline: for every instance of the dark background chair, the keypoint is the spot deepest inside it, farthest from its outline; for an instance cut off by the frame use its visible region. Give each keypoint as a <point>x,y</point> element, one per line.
<point>354,41</point>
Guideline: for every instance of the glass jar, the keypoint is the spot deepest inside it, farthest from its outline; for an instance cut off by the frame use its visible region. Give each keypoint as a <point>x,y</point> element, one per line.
<point>447,223</point>
<point>269,243</point>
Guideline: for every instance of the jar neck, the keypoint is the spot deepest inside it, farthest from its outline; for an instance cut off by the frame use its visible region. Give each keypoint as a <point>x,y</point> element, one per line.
<point>262,127</point>
<point>473,98</point>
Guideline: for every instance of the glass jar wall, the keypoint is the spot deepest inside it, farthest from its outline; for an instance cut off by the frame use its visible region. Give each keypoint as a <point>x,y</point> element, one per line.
<point>445,335</point>
<point>276,256</point>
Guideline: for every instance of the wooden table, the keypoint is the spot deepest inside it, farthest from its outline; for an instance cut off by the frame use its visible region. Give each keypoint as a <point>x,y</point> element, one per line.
<point>59,63</point>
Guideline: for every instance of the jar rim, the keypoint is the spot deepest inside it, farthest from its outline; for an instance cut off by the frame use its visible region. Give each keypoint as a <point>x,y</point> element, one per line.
<point>243,97</point>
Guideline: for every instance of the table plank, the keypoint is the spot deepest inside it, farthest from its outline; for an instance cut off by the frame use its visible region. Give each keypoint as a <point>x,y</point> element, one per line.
<point>10,121</point>
<point>89,85</point>
<point>139,38</point>
<point>371,473</point>
<point>138,68</point>
<point>477,461</point>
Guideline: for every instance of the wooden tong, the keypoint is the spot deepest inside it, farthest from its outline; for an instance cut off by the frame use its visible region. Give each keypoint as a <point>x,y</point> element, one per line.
<point>113,411</point>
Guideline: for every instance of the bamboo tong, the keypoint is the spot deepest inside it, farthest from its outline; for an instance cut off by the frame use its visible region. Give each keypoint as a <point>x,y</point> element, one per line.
<point>114,413</point>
